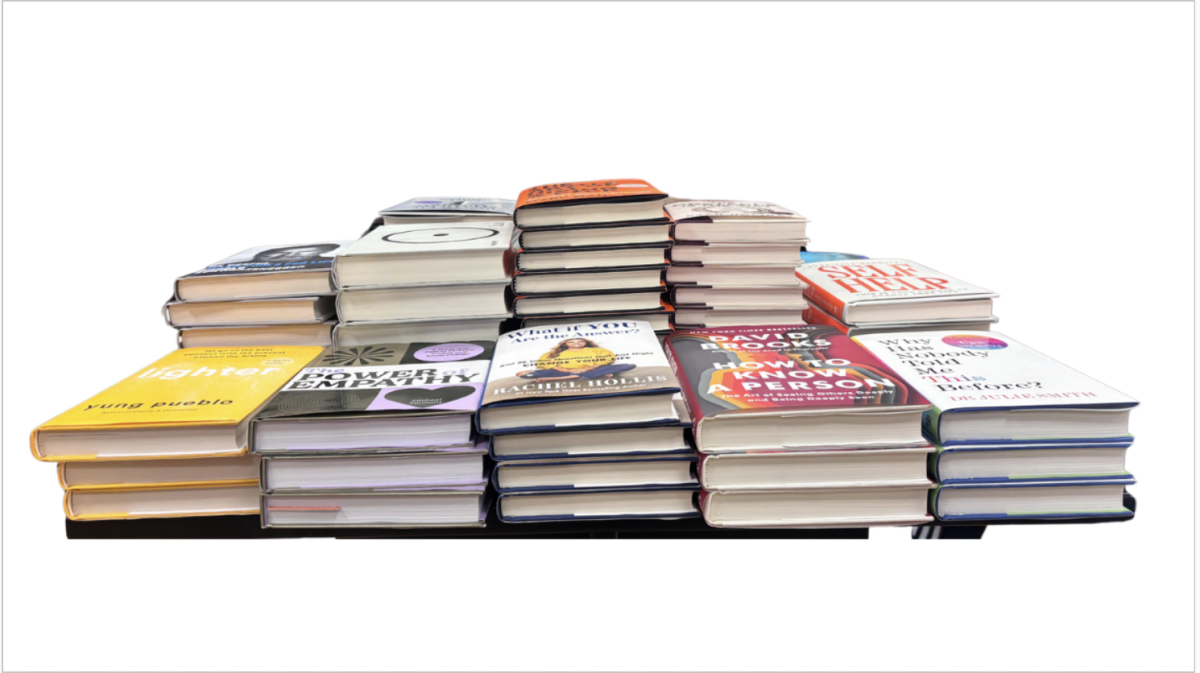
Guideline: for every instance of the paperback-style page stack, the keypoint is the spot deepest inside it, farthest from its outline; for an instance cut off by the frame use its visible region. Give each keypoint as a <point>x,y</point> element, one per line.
<point>1018,434</point>
<point>264,296</point>
<point>800,427</point>
<point>170,440</point>
<point>591,251</point>
<point>376,436</point>
<point>585,426</point>
<point>424,282</point>
<point>734,262</point>
<point>891,295</point>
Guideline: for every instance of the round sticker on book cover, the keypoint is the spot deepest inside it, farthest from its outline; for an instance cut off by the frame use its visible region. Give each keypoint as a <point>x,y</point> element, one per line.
<point>447,352</point>
<point>442,235</point>
<point>974,342</point>
<point>276,362</point>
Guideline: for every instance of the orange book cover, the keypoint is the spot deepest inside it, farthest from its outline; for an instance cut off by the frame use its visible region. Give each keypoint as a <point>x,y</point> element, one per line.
<point>563,193</point>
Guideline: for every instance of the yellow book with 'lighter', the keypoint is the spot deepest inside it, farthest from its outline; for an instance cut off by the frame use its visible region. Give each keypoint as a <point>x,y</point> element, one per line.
<point>194,402</point>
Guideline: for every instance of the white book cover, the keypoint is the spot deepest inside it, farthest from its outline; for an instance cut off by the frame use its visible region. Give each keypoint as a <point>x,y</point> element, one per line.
<point>958,370</point>
<point>716,210</point>
<point>835,285</point>
<point>415,239</point>
<point>452,205</point>
<point>617,357</point>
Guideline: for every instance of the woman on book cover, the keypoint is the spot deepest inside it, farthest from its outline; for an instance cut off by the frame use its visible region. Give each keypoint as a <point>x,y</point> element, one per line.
<point>576,359</point>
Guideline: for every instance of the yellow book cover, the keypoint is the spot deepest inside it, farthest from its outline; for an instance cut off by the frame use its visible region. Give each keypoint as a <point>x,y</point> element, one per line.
<point>190,388</point>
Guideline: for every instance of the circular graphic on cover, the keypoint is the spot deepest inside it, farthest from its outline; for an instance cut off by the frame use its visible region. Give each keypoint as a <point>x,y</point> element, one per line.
<point>445,235</point>
<point>448,352</point>
<point>974,342</point>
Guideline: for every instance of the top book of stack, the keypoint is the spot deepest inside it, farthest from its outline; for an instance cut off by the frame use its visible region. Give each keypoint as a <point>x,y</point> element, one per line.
<point>448,208</point>
<point>594,202</point>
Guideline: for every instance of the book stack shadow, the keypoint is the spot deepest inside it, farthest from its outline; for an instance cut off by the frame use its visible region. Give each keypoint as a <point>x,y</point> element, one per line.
<point>427,275</point>
<point>585,424</point>
<point>591,251</point>
<point>269,295</point>
<point>376,436</point>
<point>734,263</point>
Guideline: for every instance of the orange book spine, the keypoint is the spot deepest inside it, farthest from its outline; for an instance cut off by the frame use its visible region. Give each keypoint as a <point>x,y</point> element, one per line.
<point>823,298</point>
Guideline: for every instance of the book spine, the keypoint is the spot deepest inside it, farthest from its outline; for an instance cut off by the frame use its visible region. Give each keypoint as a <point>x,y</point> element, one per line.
<point>815,316</point>
<point>689,397</point>
<point>823,298</point>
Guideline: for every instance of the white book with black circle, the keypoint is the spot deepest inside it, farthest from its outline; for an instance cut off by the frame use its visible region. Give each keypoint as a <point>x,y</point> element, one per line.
<point>421,254</point>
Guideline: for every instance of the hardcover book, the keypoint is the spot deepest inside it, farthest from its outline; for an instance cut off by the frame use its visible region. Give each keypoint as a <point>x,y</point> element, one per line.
<point>1090,461</point>
<point>159,503</point>
<point>534,506</point>
<point>484,328</point>
<point>245,312</point>
<point>386,398</point>
<point>787,470</point>
<point>459,469</point>
<point>264,271</point>
<point>239,336</point>
<point>419,254</point>
<point>618,234</point>
<point>791,387</point>
<point>989,388</point>
<point>450,207</point>
<point>1071,499</point>
<point>194,402</point>
<point>578,375</point>
<point>609,280</point>
<point>107,475</point>
<point>840,507</point>
<point>593,259</point>
<point>815,315</point>
<point>736,222</point>
<point>445,301</point>
<point>591,202</point>
<point>574,306</point>
<point>596,473</point>
<point>440,508</point>
<point>883,291</point>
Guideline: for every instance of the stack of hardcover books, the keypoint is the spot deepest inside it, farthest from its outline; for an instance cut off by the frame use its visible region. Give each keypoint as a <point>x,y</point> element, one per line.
<point>801,427</point>
<point>591,250</point>
<point>431,281</point>
<point>376,436</point>
<point>891,295</point>
<point>585,425</point>
<point>269,295</point>
<point>170,440</point>
<point>1018,434</point>
<point>734,262</point>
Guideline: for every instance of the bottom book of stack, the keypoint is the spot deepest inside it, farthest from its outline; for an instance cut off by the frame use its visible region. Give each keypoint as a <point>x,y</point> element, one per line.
<point>816,489</point>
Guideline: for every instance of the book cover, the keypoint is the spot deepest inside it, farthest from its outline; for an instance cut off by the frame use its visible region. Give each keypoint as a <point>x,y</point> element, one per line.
<point>735,369</point>
<point>961,371</point>
<point>451,206</point>
<point>419,239</point>
<point>190,386</point>
<point>837,284</point>
<point>387,378</point>
<point>689,459</point>
<point>272,259</point>
<point>553,363</point>
<point>714,210</point>
<point>591,191</point>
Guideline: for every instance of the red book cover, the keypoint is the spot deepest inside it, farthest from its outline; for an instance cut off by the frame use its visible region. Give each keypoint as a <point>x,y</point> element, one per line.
<point>777,368</point>
<point>570,193</point>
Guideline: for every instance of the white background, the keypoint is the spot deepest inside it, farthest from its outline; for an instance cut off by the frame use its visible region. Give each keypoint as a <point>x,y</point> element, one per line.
<point>1040,150</point>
